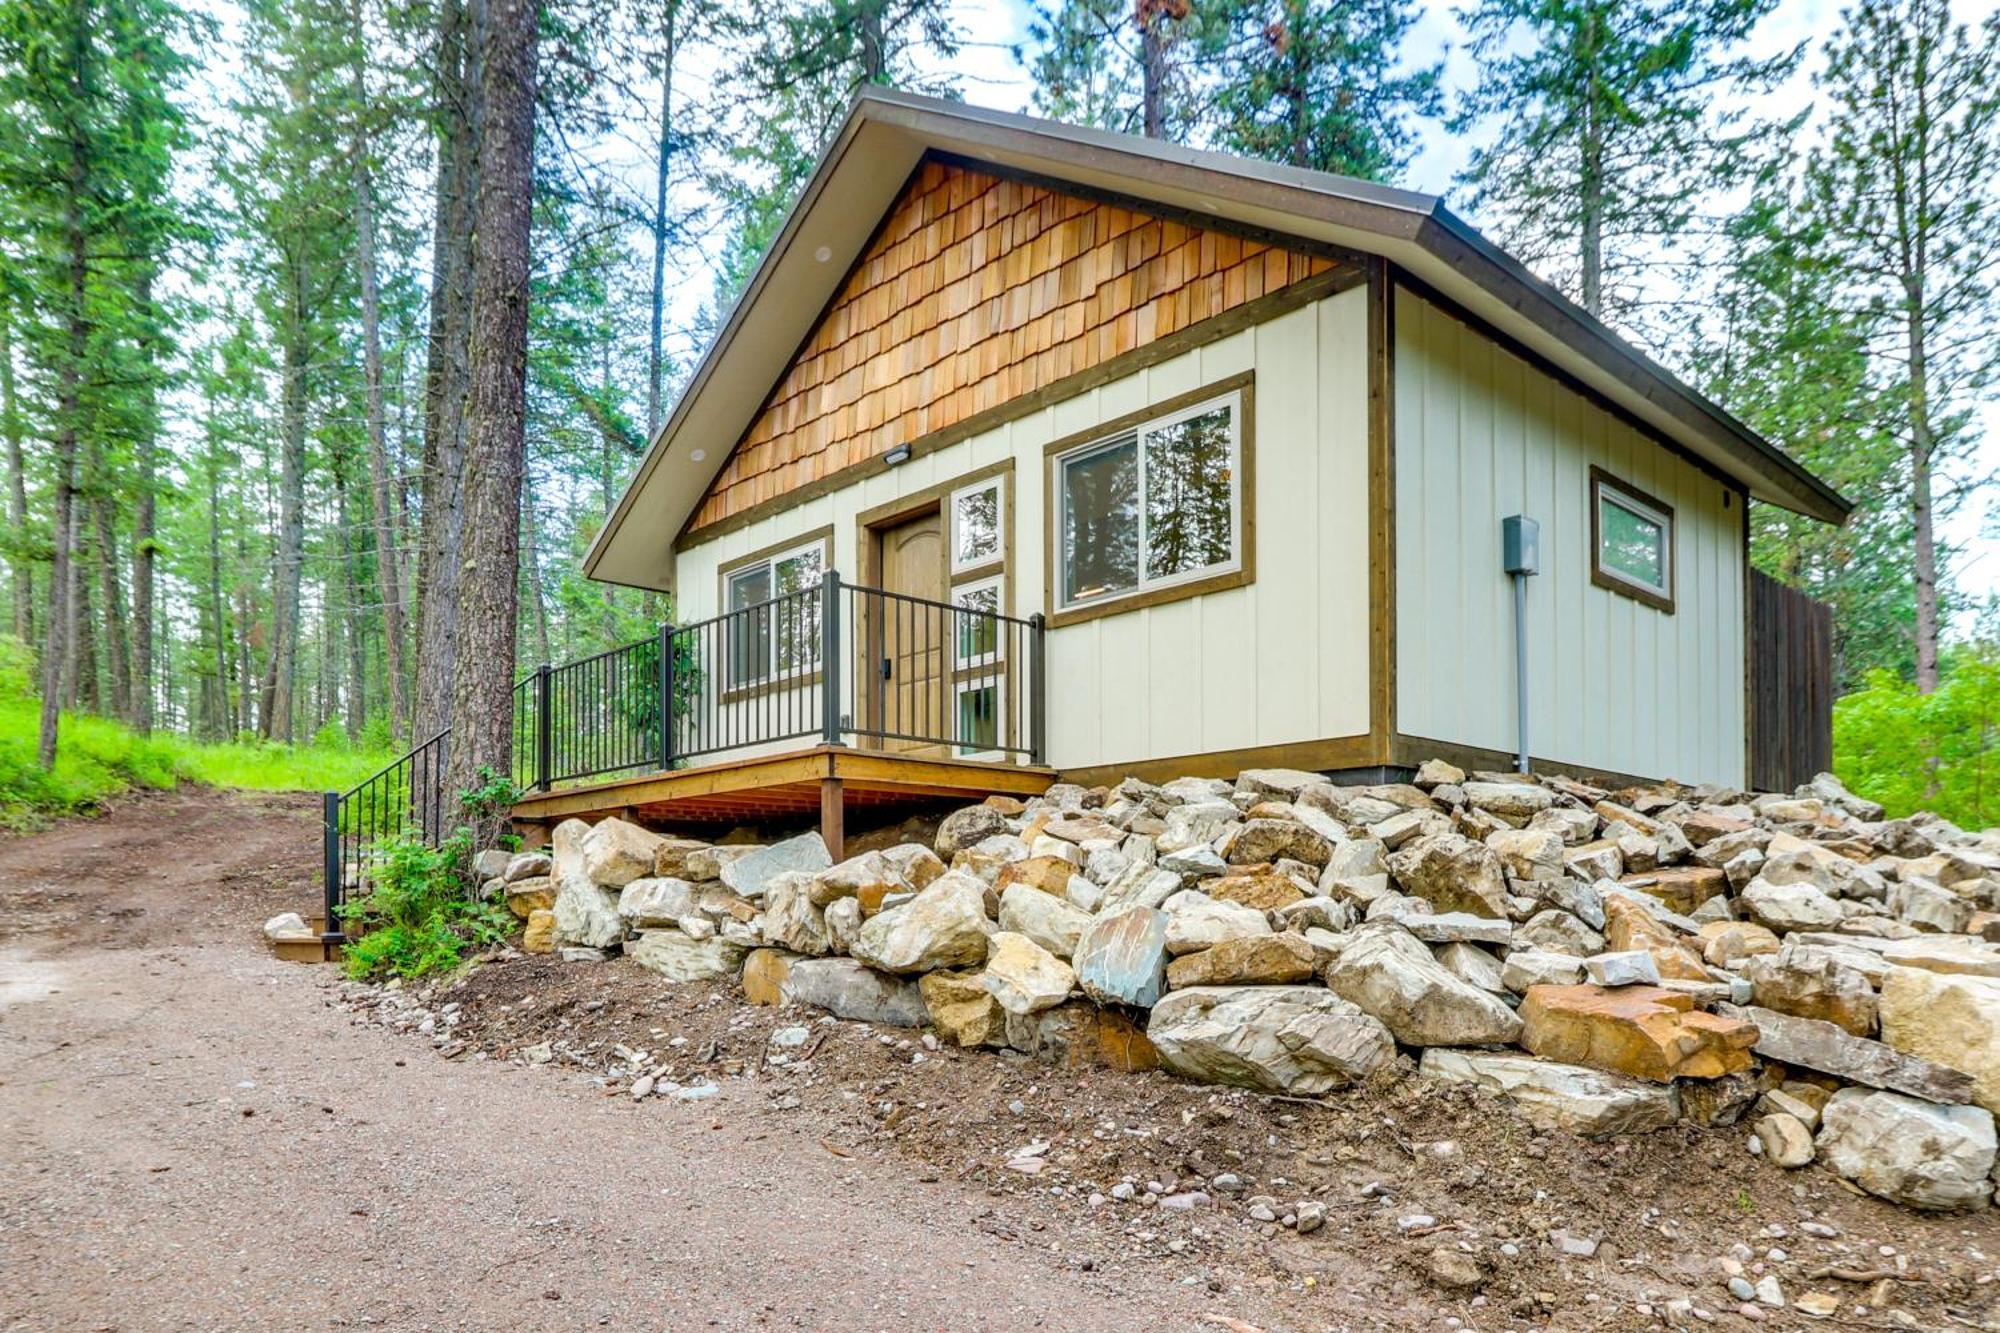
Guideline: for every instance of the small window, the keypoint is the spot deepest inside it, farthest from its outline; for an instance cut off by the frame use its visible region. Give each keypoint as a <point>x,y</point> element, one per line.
<point>978,624</point>
<point>975,526</point>
<point>1152,507</point>
<point>978,722</point>
<point>773,628</point>
<point>1632,542</point>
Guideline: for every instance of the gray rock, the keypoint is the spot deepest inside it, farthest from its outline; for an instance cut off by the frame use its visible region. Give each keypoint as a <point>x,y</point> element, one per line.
<point>527,865</point>
<point>492,864</point>
<point>586,914</point>
<point>1197,921</point>
<point>943,926</point>
<point>1558,932</point>
<point>289,926</point>
<point>1786,907</point>
<point>1199,862</point>
<point>790,919</point>
<point>749,875</point>
<point>1540,967</point>
<point>655,902</point>
<point>1275,1039</point>
<point>1548,1095</point>
<point>1259,841</point>
<point>1472,965</point>
<point>1283,784</point>
<point>964,829</point>
<point>1515,802</point>
<point>1389,974</point>
<point>851,990</point>
<point>1929,906</point>
<point>678,958</point>
<point>1908,1151</point>
<point>1122,957</point>
<point>1628,967</point>
<point>1785,1140</point>
<point>1454,873</point>
<point>1197,824</point>
<point>1458,928</point>
<point>1044,918</point>
<point>1813,1043</point>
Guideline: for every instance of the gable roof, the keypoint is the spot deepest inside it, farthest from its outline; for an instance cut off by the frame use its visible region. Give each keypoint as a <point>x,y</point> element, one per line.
<point>888,133</point>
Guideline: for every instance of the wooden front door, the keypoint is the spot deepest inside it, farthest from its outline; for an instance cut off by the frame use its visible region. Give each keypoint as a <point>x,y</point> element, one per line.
<point>908,638</point>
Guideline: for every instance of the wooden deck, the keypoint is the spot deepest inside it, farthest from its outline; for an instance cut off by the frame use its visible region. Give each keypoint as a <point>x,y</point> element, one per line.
<point>825,781</point>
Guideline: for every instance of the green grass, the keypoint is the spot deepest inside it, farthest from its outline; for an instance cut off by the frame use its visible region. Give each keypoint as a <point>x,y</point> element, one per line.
<point>97,758</point>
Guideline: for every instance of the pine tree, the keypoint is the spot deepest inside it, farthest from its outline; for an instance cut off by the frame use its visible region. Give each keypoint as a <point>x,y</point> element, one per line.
<point>1905,193</point>
<point>1116,64</point>
<point>1608,131</point>
<point>1316,83</point>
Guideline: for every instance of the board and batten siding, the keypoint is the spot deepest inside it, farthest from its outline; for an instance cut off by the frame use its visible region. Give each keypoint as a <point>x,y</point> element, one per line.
<point>1614,685</point>
<point>1284,659</point>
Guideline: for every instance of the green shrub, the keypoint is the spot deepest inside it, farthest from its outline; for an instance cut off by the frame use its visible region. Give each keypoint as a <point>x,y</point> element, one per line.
<point>1938,752</point>
<point>420,914</point>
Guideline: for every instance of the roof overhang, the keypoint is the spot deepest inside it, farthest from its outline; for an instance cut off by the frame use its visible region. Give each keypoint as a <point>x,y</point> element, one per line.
<point>887,134</point>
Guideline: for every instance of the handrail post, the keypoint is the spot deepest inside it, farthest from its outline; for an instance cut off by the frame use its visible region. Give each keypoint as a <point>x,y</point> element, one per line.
<point>544,728</point>
<point>1038,696</point>
<point>829,658</point>
<point>666,685</point>
<point>331,932</point>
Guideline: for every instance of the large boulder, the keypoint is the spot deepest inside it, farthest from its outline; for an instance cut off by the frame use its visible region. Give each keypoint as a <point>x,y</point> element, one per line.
<point>962,1009</point>
<point>615,853</point>
<point>1548,1095</point>
<point>1196,921</point>
<point>790,919</point>
<point>1528,854</point>
<point>1082,1035</point>
<point>1452,872</point>
<point>1050,922</point>
<point>1814,1043</point>
<point>1197,824</point>
<point>944,926</point>
<point>1122,957</point>
<point>1265,841</point>
<point>1514,802</point>
<point>586,913</point>
<point>1642,1031</point>
<point>679,957</point>
<point>1389,973</point>
<point>1952,1020</point>
<point>847,989</point>
<point>655,901</point>
<point>870,877</point>
<point>1787,907</point>
<point>964,829</point>
<point>1276,1039</point>
<point>1024,977</point>
<point>1813,983</point>
<point>748,875</point>
<point>1911,1152</point>
<point>1257,960</point>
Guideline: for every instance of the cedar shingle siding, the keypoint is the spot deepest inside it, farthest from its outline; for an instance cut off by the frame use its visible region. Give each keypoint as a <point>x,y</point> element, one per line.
<point>978,290</point>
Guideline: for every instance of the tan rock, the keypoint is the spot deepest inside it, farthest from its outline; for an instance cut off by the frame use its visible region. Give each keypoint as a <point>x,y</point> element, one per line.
<point>1627,926</point>
<point>1265,890</point>
<point>1050,874</point>
<point>671,856</point>
<point>615,853</point>
<point>1644,1031</point>
<point>1950,1020</point>
<point>1808,982</point>
<point>540,936</point>
<point>1729,943</point>
<point>1683,888</point>
<point>1080,1035</point>
<point>1257,960</point>
<point>764,973</point>
<point>1023,976</point>
<point>962,1009</point>
<point>1454,873</point>
<point>1705,826</point>
<point>529,895</point>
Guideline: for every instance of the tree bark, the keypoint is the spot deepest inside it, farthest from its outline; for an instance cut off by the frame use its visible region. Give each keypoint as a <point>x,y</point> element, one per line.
<point>59,660</point>
<point>145,519</point>
<point>447,373</point>
<point>17,483</point>
<point>281,669</point>
<point>655,353</point>
<point>110,588</point>
<point>482,715</point>
<point>221,720</point>
<point>388,557</point>
<point>1152,68</point>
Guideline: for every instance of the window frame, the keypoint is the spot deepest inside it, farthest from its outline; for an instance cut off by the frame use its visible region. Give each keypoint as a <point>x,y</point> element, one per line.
<point>993,678</point>
<point>768,559</point>
<point>1605,486</point>
<point>1237,392</point>
<point>955,569</point>
<point>996,659</point>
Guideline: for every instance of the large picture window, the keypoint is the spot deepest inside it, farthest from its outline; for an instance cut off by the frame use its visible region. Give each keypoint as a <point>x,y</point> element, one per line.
<point>774,624</point>
<point>1153,506</point>
<point>1632,542</point>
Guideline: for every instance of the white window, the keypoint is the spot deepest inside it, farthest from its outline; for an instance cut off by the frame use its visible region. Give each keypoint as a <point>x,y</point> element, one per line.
<point>773,623</point>
<point>1634,536</point>
<point>1151,507</point>
<point>976,517</point>
<point>978,635</point>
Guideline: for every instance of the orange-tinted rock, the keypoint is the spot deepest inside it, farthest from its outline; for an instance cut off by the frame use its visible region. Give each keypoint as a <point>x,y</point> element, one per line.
<point>1264,891</point>
<point>540,936</point>
<point>1079,1035</point>
<point>1626,926</point>
<point>764,973</point>
<point>1643,1031</point>
<point>1050,874</point>
<point>1705,826</point>
<point>1253,960</point>
<point>1682,888</point>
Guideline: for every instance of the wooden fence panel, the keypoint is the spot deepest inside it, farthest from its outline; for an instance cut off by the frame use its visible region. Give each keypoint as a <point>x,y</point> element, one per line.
<point>1791,685</point>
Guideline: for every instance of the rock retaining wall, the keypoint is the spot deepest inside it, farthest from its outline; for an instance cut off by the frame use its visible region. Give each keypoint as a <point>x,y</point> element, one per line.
<point>1606,962</point>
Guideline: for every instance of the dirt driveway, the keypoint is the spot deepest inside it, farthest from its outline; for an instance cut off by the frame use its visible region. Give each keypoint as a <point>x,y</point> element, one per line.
<point>193,1136</point>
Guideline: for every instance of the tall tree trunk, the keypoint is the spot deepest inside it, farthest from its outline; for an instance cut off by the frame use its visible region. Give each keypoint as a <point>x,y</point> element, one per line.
<point>85,693</point>
<point>17,483</point>
<point>145,518</point>
<point>447,373</point>
<point>531,578</point>
<point>1590,202</point>
<point>655,352</point>
<point>281,678</point>
<point>1152,20</point>
<point>59,660</point>
<point>352,549</point>
<point>221,720</point>
<point>488,592</point>
<point>111,591</point>
<point>388,558</point>
<point>1922,511</point>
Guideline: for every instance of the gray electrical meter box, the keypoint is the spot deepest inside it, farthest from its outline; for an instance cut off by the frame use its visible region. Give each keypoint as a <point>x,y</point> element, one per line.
<point>1521,544</point>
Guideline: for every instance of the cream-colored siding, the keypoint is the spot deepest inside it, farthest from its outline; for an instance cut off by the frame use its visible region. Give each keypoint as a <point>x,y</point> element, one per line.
<point>1281,660</point>
<point>1613,684</point>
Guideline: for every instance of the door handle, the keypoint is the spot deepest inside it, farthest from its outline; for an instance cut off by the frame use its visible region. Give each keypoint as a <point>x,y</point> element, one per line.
<point>888,670</point>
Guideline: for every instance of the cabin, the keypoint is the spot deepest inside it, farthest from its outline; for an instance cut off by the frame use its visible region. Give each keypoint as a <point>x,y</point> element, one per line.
<point>1036,452</point>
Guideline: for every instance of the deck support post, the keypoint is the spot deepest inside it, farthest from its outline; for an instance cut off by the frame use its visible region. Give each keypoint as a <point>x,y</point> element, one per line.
<point>829,659</point>
<point>833,817</point>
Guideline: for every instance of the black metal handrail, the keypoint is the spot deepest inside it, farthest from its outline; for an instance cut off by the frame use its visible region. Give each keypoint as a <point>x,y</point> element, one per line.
<point>837,662</point>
